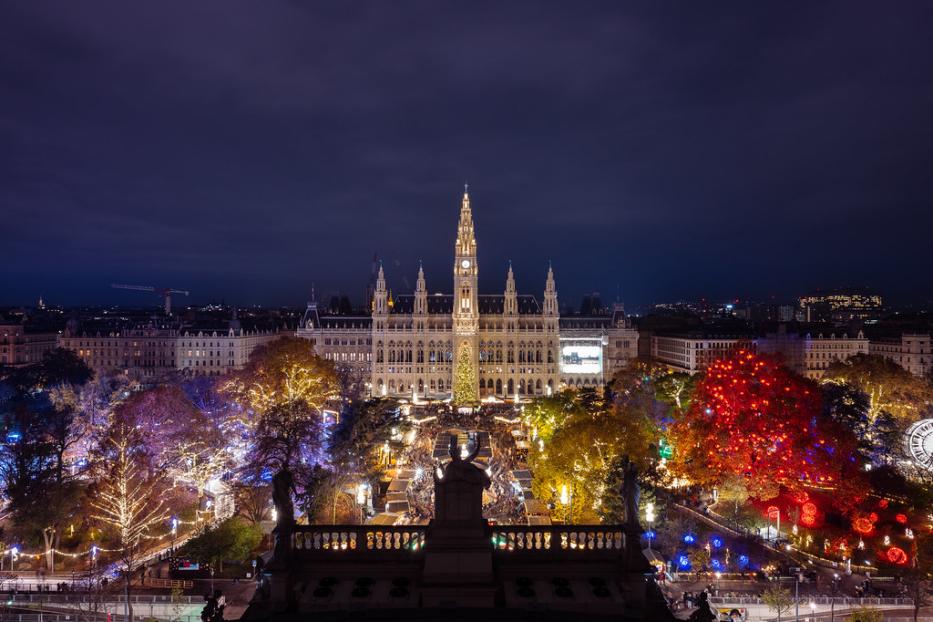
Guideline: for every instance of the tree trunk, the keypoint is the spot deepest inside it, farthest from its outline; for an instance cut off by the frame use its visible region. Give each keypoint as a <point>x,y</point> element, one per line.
<point>48,536</point>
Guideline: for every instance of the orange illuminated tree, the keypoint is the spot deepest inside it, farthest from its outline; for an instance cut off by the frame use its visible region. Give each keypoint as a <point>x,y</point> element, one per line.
<point>751,417</point>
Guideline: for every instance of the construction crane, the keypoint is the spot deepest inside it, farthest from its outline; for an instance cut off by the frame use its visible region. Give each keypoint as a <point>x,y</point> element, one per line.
<point>164,292</point>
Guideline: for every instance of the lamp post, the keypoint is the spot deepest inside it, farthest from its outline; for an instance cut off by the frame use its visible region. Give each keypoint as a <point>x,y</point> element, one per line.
<point>832,599</point>
<point>649,517</point>
<point>566,499</point>
<point>174,533</point>
<point>361,501</point>
<point>812,609</point>
<point>797,597</point>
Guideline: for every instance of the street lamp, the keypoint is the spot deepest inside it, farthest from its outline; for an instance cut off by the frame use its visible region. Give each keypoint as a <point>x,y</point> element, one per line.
<point>812,609</point>
<point>797,596</point>
<point>832,599</point>
<point>361,501</point>
<point>649,517</point>
<point>566,499</point>
<point>174,533</point>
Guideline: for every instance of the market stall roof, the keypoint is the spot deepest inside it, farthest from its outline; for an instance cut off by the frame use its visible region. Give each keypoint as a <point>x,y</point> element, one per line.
<point>397,507</point>
<point>536,507</point>
<point>522,475</point>
<point>539,520</point>
<point>398,485</point>
<point>382,519</point>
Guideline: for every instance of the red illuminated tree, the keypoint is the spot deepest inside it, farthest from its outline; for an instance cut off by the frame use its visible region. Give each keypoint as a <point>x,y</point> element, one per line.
<point>753,418</point>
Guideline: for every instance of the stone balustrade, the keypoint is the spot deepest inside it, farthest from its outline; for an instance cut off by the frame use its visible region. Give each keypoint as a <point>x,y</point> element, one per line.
<point>526,541</point>
<point>355,540</point>
<point>559,540</point>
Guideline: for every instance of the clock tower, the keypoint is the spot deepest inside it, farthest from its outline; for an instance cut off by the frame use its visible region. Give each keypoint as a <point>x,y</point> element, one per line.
<point>466,309</point>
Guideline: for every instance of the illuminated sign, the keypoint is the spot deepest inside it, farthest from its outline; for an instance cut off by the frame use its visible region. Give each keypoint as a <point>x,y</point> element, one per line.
<point>581,356</point>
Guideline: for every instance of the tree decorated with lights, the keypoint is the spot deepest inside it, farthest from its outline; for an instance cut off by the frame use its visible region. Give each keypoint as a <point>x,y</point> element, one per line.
<point>465,377</point>
<point>753,418</point>
<point>284,372</point>
<point>128,500</point>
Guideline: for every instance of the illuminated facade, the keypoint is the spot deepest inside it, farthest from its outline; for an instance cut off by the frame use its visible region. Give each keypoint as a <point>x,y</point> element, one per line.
<point>912,351</point>
<point>151,353</point>
<point>468,345</point>
<point>810,356</point>
<point>19,347</point>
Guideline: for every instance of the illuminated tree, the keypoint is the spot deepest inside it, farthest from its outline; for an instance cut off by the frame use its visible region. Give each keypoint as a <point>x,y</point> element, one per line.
<point>778,599</point>
<point>285,371</point>
<point>465,377</point>
<point>585,449</point>
<point>849,406</point>
<point>128,499</point>
<point>180,439</point>
<point>287,435</point>
<point>753,418</point>
<point>889,387</point>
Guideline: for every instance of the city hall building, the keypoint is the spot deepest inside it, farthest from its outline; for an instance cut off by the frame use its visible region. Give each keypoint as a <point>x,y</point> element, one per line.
<point>467,345</point>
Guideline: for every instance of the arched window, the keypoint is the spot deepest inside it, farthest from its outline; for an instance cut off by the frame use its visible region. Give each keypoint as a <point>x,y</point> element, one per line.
<point>511,386</point>
<point>538,386</point>
<point>521,387</point>
<point>499,386</point>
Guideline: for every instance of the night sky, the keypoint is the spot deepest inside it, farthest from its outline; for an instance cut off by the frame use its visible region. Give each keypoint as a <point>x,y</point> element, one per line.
<point>245,150</point>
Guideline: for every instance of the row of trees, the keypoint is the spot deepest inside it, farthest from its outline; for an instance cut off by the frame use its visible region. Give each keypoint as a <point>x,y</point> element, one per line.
<point>748,427</point>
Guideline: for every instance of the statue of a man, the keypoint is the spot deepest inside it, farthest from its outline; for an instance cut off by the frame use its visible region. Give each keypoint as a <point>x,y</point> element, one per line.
<point>630,492</point>
<point>463,469</point>
<point>282,486</point>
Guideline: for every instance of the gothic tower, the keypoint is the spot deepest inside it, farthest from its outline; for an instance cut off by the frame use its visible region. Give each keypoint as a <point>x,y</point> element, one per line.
<point>466,309</point>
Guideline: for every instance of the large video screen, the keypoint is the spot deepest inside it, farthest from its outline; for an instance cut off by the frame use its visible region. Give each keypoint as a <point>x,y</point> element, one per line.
<point>581,357</point>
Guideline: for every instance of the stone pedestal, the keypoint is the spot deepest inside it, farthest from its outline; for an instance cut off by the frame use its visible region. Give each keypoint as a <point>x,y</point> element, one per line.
<point>458,569</point>
<point>280,592</point>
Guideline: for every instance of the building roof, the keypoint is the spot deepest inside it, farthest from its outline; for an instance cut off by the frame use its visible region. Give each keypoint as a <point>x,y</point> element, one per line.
<point>489,304</point>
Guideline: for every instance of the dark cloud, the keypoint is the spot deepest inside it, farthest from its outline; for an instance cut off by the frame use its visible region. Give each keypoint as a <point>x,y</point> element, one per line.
<point>245,150</point>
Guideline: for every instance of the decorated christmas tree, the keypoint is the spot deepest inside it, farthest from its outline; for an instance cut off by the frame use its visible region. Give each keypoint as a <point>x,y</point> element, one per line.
<point>465,377</point>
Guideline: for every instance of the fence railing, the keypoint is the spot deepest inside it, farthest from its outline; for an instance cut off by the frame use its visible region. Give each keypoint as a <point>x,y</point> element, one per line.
<point>569,540</point>
<point>841,601</point>
<point>77,597</point>
<point>544,541</point>
<point>314,540</point>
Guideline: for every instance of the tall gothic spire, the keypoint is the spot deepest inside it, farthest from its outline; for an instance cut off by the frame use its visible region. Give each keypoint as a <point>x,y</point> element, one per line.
<point>550,293</point>
<point>380,296</point>
<point>466,240</point>
<point>421,292</point>
<point>510,302</point>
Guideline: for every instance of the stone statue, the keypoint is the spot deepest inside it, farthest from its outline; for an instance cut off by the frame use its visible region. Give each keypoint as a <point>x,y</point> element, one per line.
<point>282,486</point>
<point>458,493</point>
<point>630,492</point>
<point>463,469</point>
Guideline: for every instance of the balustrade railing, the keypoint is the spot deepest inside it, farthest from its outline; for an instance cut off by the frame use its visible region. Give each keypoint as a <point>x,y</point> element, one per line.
<point>559,540</point>
<point>543,541</point>
<point>356,539</point>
